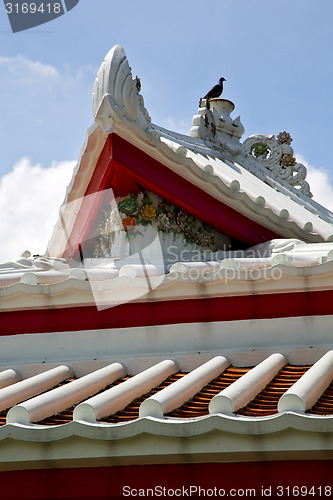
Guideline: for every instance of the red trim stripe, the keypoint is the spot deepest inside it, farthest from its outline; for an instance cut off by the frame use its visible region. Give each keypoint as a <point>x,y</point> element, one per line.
<point>135,314</point>
<point>271,479</point>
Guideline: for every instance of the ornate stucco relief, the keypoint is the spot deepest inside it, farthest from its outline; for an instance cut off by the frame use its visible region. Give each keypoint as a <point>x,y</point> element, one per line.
<point>116,94</point>
<point>277,156</point>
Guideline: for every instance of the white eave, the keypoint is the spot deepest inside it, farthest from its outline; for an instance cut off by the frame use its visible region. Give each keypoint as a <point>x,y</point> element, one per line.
<point>229,281</point>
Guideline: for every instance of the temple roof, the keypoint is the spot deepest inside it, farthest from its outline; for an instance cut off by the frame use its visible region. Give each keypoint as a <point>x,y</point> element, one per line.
<point>259,179</point>
<point>230,344</point>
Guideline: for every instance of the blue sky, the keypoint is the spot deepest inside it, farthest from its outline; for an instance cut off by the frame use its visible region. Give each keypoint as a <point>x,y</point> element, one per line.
<point>275,55</point>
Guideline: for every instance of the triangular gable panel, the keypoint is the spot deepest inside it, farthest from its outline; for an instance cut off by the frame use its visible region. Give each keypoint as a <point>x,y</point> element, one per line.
<point>124,168</point>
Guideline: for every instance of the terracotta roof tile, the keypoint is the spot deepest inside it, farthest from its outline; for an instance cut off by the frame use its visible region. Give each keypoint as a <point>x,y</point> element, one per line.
<point>324,405</point>
<point>266,402</point>
<point>198,406</point>
<point>131,411</point>
<point>3,416</point>
<point>67,415</point>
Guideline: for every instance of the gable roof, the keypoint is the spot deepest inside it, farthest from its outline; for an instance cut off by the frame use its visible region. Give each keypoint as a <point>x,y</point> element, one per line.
<point>218,178</point>
<point>117,357</point>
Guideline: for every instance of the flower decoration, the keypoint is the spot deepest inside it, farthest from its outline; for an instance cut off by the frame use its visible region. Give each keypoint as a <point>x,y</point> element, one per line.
<point>288,161</point>
<point>148,212</point>
<point>138,210</point>
<point>181,220</point>
<point>169,210</point>
<point>163,223</point>
<point>129,223</point>
<point>284,138</point>
<point>207,239</point>
<point>129,206</point>
<point>260,149</point>
<point>190,234</point>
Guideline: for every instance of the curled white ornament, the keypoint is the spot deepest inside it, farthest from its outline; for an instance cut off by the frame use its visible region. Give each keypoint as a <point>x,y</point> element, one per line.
<point>116,94</point>
<point>271,153</point>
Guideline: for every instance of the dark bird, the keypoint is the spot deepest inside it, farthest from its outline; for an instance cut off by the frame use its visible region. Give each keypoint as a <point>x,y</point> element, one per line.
<point>216,91</point>
<point>137,83</point>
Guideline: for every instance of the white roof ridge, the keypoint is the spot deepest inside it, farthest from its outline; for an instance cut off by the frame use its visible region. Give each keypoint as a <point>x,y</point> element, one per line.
<point>198,146</point>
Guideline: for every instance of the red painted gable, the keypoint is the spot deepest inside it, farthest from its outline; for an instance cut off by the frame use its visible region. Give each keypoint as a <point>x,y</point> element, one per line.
<point>125,168</point>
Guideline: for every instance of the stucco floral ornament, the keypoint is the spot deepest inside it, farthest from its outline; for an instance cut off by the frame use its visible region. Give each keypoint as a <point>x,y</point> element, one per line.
<point>288,161</point>
<point>181,220</point>
<point>207,238</point>
<point>163,223</point>
<point>191,230</point>
<point>284,137</point>
<point>260,149</point>
<point>129,223</point>
<point>147,209</point>
<point>279,159</point>
<point>169,210</point>
<point>148,212</point>
<point>129,206</point>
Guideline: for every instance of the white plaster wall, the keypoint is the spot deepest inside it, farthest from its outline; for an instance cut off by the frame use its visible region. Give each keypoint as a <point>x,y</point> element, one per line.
<point>303,340</point>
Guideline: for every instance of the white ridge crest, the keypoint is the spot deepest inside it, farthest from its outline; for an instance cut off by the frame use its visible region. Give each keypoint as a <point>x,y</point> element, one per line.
<point>116,94</point>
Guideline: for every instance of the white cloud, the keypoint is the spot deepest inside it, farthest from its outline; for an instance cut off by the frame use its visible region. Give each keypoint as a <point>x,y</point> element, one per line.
<point>24,68</point>
<point>45,109</point>
<point>321,184</point>
<point>30,198</point>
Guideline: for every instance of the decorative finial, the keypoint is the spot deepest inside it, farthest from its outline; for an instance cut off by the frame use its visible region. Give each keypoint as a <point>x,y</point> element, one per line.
<point>284,138</point>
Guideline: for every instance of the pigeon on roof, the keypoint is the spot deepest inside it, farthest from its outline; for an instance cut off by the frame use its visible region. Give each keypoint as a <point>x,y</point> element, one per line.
<point>216,91</point>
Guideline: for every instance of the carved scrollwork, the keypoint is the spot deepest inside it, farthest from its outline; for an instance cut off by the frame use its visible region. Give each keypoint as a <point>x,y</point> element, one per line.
<point>278,157</point>
<point>116,94</point>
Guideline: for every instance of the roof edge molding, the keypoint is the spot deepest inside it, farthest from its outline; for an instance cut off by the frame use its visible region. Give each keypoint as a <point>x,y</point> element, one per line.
<point>116,94</point>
